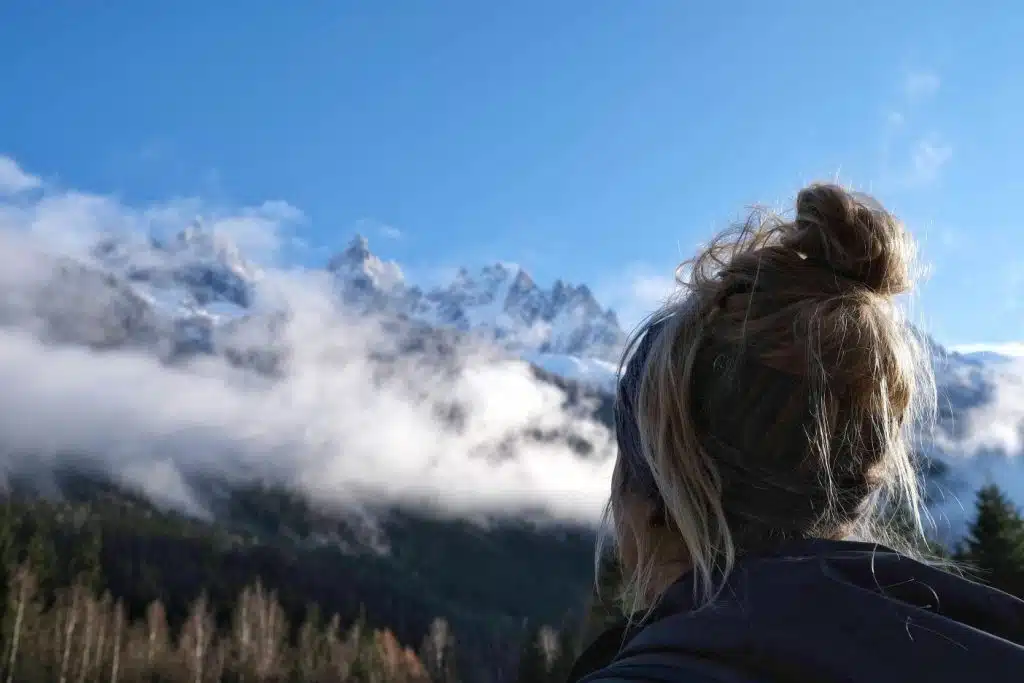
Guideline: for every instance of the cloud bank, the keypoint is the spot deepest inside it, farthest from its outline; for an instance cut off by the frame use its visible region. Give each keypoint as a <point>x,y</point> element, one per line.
<point>980,434</point>
<point>338,422</point>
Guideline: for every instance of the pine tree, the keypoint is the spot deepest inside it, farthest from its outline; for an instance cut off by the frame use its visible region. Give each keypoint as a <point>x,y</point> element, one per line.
<point>995,542</point>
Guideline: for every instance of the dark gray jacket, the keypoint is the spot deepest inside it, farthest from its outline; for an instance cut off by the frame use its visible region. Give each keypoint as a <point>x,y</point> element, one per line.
<point>820,612</point>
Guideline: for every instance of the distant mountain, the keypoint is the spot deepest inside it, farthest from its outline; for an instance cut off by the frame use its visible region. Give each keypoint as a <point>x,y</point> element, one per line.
<point>195,268</point>
<point>199,280</point>
<point>498,301</point>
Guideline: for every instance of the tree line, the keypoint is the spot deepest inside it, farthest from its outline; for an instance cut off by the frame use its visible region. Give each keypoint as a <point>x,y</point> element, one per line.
<point>66,619</point>
<point>83,603</point>
<point>79,636</point>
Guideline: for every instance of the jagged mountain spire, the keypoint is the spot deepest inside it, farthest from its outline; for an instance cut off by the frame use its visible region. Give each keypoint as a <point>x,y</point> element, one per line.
<point>358,268</point>
<point>499,300</point>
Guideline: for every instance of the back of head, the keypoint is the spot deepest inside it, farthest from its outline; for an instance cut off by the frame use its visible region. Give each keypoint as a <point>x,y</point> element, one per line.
<point>771,400</point>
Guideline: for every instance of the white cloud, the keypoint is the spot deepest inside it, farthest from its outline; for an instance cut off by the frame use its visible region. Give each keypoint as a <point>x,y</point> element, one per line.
<point>635,293</point>
<point>327,428</point>
<point>928,158</point>
<point>258,230</point>
<point>921,84</point>
<point>371,226</point>
<point>1009,349</point>
<point>339,424</point>
<point>390,232</point>
<point>985,440</point>
<point>13,180</point>
<point>908,157</point>
<point>895,118</point>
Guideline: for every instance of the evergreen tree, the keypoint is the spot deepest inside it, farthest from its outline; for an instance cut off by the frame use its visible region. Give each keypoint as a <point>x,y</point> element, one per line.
<point>994,545</point>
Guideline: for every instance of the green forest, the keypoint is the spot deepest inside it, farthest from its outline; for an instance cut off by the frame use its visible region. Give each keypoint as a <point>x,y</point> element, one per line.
<point>90,597</point>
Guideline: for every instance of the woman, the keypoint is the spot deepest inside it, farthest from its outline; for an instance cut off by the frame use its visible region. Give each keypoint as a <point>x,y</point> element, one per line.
<point>763,422</point>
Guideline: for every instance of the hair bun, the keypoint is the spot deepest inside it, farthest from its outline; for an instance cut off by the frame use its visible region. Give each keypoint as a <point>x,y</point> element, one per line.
<point>853,236</point>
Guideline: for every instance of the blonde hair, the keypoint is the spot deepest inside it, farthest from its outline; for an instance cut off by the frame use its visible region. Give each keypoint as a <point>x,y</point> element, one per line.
<point>774,399</point>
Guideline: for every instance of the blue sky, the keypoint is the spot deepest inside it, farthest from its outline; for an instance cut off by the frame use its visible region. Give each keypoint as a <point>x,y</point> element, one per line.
<point>596,141</point>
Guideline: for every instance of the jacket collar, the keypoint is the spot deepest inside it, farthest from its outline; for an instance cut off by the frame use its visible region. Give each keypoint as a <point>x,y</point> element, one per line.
<point>678,598</point>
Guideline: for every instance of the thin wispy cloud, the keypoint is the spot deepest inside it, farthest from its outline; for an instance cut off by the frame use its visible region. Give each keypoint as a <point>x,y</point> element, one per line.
<point>910,156</point>
<point>390,232</point>
<point>13,180</point>
<point>927,161</point>
<point>1009,349</point>
<point>371,227</point>
<point>919,85</point>
<point>636,292</point>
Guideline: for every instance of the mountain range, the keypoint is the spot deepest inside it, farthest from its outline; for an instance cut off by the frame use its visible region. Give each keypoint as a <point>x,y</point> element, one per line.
<point>199,282</point>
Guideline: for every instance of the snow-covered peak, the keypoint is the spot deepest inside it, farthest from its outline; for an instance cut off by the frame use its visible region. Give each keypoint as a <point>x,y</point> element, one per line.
<point>194,269</point>
<point>354,255</point>
<point>195,243</point>
<point>499,301</point>
<point>360,268</point>
<point>506,302</point>
<point>482,295</point>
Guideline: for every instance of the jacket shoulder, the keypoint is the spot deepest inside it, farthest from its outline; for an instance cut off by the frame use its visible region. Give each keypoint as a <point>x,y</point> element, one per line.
<point>666,667</point>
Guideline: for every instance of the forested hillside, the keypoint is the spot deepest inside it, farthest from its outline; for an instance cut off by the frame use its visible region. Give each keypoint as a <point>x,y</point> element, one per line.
<point>111,591</point>
<point>115,590</point>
